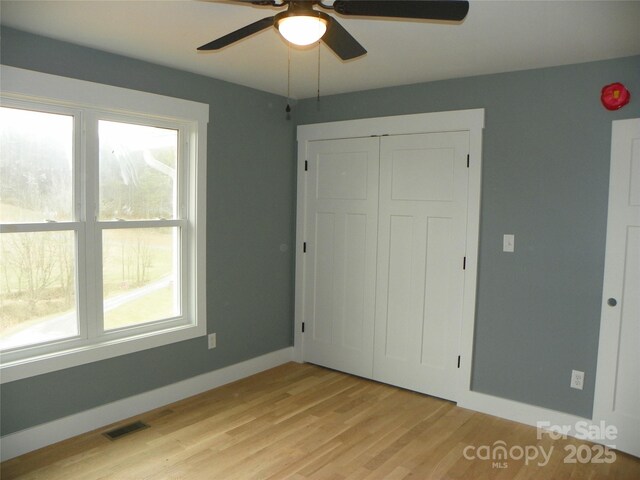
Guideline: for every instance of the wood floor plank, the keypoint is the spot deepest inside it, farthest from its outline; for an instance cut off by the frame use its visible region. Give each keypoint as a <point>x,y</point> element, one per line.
<point>303,422</point>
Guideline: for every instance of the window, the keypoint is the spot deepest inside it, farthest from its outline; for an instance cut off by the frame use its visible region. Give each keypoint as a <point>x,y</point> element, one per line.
<point>101,222</point>
<point>139,223</point>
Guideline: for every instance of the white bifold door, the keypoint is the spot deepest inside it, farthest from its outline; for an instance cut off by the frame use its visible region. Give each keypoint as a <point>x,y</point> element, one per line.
<point>384,279</point>
<point>341,230</point>
<point>421,250</point>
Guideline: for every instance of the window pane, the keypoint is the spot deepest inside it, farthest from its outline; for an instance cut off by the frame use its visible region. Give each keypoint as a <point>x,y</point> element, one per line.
<point>137,171</point>
<point>35,166</point>
<point>37,288</point>
<point>140,275</point>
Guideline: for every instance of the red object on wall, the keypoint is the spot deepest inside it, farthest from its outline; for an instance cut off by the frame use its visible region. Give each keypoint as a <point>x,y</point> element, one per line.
<point>614,96</point>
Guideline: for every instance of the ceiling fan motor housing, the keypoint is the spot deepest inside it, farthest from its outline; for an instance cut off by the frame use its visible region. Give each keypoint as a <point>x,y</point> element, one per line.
<point>315,25</point>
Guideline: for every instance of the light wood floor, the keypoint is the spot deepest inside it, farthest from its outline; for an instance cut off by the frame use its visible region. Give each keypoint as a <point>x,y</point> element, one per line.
<point>306,422</point>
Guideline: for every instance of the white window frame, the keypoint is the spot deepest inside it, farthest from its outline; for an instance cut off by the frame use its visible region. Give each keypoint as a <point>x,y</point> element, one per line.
<point>90,102</point>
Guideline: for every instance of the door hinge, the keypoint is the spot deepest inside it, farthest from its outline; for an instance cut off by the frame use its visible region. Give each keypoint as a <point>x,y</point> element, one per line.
<point>306,165</point>
<point>464,263</point>
<point>458,361</point>
<point>304,247</point>
<point>467,161</point>
<point>302,327</point>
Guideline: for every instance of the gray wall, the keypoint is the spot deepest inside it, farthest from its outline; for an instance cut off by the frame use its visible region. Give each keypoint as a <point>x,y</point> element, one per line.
<point>545,178</point>
<point>250,213</point>
<point>545,174</point>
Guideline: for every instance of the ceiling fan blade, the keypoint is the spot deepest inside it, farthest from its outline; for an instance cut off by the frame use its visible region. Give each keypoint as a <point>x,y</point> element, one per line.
<point>259,3</point>
<point>239,34</point>
<point>424,9</point>
<point>341,41</point>
<point>271,3</point>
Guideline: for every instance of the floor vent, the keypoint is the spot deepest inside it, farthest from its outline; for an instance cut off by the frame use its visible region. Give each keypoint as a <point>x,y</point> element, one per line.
<point>125,430</point>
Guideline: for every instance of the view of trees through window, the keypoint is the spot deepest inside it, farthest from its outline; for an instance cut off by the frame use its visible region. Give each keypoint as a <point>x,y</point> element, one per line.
<point>37,269</point>
<point>36,160</point>
<point>138,168</point>
<point>137,181</point>
<point>137,171</point>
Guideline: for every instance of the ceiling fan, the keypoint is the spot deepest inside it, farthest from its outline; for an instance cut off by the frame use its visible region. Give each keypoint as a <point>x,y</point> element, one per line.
<point>302,24</point>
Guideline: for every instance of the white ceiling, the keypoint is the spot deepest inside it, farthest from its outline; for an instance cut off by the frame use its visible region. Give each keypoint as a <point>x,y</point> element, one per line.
<point>496,36</point>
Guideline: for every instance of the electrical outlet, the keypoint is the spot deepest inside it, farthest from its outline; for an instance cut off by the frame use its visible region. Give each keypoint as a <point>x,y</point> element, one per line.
<point>577,379</point>
<point>212,340</point>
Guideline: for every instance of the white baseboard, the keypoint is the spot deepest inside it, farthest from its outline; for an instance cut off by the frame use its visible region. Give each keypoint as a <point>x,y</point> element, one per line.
<point>516,411</point>
<point>590,429</point>
<point>30,439</point>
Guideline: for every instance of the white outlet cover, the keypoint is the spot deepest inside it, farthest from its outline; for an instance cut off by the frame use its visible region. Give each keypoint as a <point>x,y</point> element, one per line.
<point>211,339</point>
<point>577,379</point>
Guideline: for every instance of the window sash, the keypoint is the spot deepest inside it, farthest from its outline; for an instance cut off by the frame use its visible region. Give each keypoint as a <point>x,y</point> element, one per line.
<point>180,267</point>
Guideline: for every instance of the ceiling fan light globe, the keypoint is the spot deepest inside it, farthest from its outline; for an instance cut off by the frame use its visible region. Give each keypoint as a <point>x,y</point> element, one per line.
<point>302,29</point>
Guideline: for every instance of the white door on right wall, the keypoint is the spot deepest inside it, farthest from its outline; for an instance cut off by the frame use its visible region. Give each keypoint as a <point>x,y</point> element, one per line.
<point>617,394</point>
<point>421,249</point>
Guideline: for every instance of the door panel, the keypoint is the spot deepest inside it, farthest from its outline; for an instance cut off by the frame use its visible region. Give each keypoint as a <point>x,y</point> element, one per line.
<point>421,245</point>
<point>617,393</point>
<point>627,398</point>
<point>438,284</point>
<point>355,268</point>
<point>342,213</point>
<point>416,176</point>
<point>324,279</point>
<point>342,175</point>
<point>400,310</point>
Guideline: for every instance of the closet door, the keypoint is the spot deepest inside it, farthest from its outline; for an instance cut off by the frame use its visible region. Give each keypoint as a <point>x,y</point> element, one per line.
<point>421,249</point>
<point>340,259</point>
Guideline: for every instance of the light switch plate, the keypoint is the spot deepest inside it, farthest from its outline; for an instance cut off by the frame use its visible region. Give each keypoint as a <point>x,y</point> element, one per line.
<point>508,242</point>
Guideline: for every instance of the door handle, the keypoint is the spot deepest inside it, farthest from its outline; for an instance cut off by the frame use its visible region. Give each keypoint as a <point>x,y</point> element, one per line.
<point>612,302</point>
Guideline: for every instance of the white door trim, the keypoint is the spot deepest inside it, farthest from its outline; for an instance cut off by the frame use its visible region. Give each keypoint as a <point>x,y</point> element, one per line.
<point>460,120</point>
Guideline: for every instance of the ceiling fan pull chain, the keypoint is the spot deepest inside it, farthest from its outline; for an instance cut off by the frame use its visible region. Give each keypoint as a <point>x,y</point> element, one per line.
<point>288,109</point>
<point>318,71</point>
